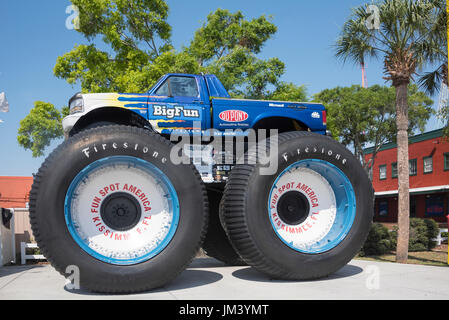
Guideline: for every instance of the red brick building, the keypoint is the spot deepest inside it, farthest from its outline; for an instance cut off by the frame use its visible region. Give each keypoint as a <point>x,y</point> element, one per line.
<point>429,178</point>
<point>14,191</point>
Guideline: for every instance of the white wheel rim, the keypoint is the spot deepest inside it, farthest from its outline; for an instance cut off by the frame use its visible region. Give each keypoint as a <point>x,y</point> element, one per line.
<point>156,198</point>
<point>331,202</point>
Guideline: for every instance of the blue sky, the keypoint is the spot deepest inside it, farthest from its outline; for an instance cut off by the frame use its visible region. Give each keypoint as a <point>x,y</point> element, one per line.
<point>33,34</point>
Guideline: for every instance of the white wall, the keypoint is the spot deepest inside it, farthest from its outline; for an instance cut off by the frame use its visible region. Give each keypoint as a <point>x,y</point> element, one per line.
<point>7,250</point>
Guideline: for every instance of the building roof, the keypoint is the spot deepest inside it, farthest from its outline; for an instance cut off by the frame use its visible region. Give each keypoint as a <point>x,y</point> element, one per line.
<point>14,191</point>
<point>414,139</point>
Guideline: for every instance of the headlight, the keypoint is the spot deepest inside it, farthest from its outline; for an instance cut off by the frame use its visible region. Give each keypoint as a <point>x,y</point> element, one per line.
<point>76,104</point>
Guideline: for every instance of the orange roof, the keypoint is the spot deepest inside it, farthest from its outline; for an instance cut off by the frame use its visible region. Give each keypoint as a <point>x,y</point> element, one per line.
<point>15,191</point>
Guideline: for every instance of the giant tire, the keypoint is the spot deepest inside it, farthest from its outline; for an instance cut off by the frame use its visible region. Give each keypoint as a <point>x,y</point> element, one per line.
<point>318,184</point>
<point>138,234</point>
<point>216,243</point>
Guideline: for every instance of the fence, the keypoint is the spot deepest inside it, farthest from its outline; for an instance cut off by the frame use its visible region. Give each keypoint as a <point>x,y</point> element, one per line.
<point>440,239</point>
<point>23,252</point>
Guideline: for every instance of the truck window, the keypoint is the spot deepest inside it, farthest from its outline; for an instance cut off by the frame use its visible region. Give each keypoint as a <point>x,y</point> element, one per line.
<point>164,89</point>
<point>179,87</point>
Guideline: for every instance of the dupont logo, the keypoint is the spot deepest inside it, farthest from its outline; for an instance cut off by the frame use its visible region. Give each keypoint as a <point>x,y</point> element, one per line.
<point>233,116</point>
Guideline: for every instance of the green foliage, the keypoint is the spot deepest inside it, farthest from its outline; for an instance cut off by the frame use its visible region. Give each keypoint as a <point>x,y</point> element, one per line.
<point>360,116</point>
<point>126,25</point>
<point>225,31</point>
<point>138,52</point>
<point>431,81</point>
<point>91,67</point>
<point>432,232</point>
<point>380,241</point>
<point>411,35</point>
<point>289,92</point>
<point>422,231</point>
<point>403,39</point>
<point>443,114</point>
<point>40,126</point>
<point>226,45</point>
<point>138,35</point>
<point>405,27</point>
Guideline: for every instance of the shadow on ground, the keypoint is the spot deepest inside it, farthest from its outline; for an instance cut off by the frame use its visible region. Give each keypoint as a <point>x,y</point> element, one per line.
<point>207,262</point>
<point>251,274</point>
<point>9,270</point>
<point>186,280</point>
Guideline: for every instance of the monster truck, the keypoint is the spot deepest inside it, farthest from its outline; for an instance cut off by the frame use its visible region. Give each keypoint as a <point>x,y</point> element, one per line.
<point>112,201</point>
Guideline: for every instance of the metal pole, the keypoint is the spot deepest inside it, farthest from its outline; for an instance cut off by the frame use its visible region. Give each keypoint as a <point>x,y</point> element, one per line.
<point>13,231</point>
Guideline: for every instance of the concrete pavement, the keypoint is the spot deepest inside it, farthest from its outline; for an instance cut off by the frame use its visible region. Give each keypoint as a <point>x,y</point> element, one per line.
<point>209,279</point>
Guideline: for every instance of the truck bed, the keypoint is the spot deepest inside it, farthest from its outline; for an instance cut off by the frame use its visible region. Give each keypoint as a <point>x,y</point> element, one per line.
<point>245,113</point>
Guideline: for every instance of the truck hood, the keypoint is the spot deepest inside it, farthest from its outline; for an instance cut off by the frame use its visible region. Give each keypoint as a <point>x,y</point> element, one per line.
<point>122,100</point>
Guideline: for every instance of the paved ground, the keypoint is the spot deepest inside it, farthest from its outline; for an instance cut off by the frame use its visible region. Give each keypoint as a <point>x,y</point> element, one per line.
<point>208,279</point>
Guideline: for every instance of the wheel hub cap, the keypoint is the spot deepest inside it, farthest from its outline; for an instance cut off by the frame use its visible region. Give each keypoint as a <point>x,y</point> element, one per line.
<point>293,208</point>
<point>120,211</point>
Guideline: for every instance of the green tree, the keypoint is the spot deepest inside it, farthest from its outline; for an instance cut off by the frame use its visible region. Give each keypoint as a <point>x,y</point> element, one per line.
<point>361,117</point>
<point>136,51</point>
<point>136,33</point>
<point>401,39</point>
<point>224,31</point>
<point>432,81</point>
<point>227,45</point>
<point>289,92</point>
<point>127,26</point>
<point>40,127</point>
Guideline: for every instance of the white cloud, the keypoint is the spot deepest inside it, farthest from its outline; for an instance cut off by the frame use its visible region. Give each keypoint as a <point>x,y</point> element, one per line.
<point>4,105</point>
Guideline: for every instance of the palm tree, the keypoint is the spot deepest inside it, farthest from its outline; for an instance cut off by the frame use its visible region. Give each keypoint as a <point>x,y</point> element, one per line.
<point>401,39</point>
<point>431,81</point>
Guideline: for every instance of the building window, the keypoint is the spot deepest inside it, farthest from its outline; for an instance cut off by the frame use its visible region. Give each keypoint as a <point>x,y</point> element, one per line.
<point>412,206</point>
<point>394,170</point>
<point>428,164</point>
<point>434,206</point>
<point>383,208</point>
<point>413,167</point>
<point>447,207</point>
<point>383,172</point>
<point>446,161</point>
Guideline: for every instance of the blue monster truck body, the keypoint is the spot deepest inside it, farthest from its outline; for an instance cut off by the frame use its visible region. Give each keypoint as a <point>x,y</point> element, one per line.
<point>204,104</point>
<point>184,103</point>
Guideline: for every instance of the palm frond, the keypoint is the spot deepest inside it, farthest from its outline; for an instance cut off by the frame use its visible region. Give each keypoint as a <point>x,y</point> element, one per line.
<point>431,81</point>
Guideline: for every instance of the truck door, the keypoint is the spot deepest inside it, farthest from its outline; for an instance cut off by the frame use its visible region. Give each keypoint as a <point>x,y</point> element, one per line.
<point>176,105</point>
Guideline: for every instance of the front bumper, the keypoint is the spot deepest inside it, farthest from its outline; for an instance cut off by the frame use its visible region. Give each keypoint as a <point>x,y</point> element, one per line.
<point>69,122</point>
